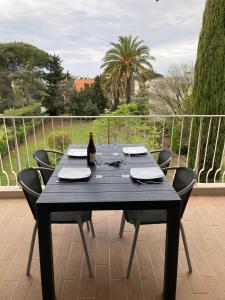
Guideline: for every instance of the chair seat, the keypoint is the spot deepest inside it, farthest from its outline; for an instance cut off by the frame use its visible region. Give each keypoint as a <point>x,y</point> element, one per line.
<point>70,216</point>
<point>147,216</point>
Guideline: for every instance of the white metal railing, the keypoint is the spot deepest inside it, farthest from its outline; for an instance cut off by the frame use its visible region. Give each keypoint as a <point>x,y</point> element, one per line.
<point>21,136</point>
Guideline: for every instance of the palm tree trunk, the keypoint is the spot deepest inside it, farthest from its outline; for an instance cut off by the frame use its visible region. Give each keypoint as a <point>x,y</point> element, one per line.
<point>116,100</point>
<point>128,90</point>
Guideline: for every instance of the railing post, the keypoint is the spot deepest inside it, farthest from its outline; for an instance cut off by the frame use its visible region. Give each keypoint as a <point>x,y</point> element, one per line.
<point>108,130</point>
<point>198,147</point>
<point>16,144</point>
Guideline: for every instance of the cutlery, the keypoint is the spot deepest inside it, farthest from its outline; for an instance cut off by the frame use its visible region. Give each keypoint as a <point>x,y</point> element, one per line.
<point>64,181</point>
<point>149,181</point>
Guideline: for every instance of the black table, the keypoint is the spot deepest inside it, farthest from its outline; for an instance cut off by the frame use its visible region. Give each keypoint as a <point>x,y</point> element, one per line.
<point>109,192</point>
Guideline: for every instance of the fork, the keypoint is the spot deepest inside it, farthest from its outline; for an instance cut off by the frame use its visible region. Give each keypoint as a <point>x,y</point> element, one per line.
<point>64,181</point>
<point>149,181</point>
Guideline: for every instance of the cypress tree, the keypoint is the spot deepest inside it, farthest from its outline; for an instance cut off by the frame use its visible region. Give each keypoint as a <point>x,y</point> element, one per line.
<point>208,96</point>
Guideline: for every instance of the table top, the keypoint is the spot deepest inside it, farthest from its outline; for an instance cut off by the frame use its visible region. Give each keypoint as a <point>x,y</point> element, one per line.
<point>109,192</point>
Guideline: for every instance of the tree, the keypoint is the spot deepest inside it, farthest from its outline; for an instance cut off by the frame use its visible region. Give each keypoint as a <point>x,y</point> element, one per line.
<point>37,89</point>
<point>22,63</point>
<point>112,86</point>
<point>170,93</point>
<point>89,101</point>
<point>209,88</point>
<point>74,103</point>
<point>97,96</point>
<point>126,60</point>
<point>53,99</point>
<point>6,92</point>
<point>67,90</point>
<point>85,104</point>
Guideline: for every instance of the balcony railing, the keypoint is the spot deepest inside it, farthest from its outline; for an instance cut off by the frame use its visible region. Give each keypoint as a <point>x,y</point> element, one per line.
<point>21,136</point>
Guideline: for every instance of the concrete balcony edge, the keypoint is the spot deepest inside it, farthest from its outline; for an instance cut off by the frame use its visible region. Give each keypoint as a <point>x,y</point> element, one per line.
<point>209,189</point>
<point>200,189</point>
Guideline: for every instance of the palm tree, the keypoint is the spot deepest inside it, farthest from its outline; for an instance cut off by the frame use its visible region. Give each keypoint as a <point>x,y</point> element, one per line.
<point>112,86</point>
<point>126,60</point>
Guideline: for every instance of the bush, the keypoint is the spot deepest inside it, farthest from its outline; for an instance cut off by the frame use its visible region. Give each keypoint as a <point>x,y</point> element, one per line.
<point>19,133</point>
<point>133,109</point>
<point>91,109</point>
<point>129,130</point>
<point>66,111</point>
<point>3,144</point>
<point>31,110</point>
<point>59,140</point>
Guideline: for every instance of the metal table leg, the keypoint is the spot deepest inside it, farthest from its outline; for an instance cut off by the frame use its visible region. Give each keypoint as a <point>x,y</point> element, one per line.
<point>46,257</point>
<point>171,252</point>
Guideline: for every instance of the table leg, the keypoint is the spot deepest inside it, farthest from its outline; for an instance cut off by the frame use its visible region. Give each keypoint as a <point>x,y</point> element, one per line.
<point>45,250</point>
<point>171,253</point>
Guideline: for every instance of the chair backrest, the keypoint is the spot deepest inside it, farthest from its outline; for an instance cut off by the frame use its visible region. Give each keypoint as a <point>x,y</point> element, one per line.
<point>41,156</point>
<point>164,159</point>
<point>183,183</point>
<point>30,182</point>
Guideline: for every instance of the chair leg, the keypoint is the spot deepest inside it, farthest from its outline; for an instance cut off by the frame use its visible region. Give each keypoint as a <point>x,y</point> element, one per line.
<point>137,226</point>
<point>92,228</point>
<point>132,250</point>
<point>88,227</point>
<point>122,224</point>
<point>85,248</point>
<point>31,249</point>
<point>186,248</point>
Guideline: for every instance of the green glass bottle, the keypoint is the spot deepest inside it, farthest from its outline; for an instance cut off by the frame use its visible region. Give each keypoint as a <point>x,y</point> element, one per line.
<point>91,151</point>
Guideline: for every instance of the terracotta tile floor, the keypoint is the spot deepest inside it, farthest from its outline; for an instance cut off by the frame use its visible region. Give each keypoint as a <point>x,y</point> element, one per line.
<point>204,223</point>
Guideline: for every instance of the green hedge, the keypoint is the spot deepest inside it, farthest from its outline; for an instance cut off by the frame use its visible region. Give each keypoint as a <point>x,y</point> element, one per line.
<point>31,110</point>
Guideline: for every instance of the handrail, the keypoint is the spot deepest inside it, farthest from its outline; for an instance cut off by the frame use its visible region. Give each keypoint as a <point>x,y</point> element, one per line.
<point>156,131</point>
<point>109,117</point>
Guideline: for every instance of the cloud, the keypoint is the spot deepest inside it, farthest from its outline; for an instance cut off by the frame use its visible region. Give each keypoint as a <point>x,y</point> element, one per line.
<point>183,52</point>
<point>80,31</point>
<point>82,55</point>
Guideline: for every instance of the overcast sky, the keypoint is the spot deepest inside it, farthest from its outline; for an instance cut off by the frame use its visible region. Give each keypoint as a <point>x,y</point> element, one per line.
<point>80,31</point>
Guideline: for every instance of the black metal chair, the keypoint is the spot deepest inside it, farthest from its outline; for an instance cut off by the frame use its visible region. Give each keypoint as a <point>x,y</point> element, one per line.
<point>42,158</point>
<point>183,182</point>
<point>164,159</point>
<point>29,180</point>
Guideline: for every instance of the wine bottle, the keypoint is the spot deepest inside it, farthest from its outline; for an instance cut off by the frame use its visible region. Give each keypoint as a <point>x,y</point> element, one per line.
<point>91,150</point>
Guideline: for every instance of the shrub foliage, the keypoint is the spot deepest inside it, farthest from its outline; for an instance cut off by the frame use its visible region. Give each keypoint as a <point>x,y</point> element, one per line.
<point>59,140</point>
